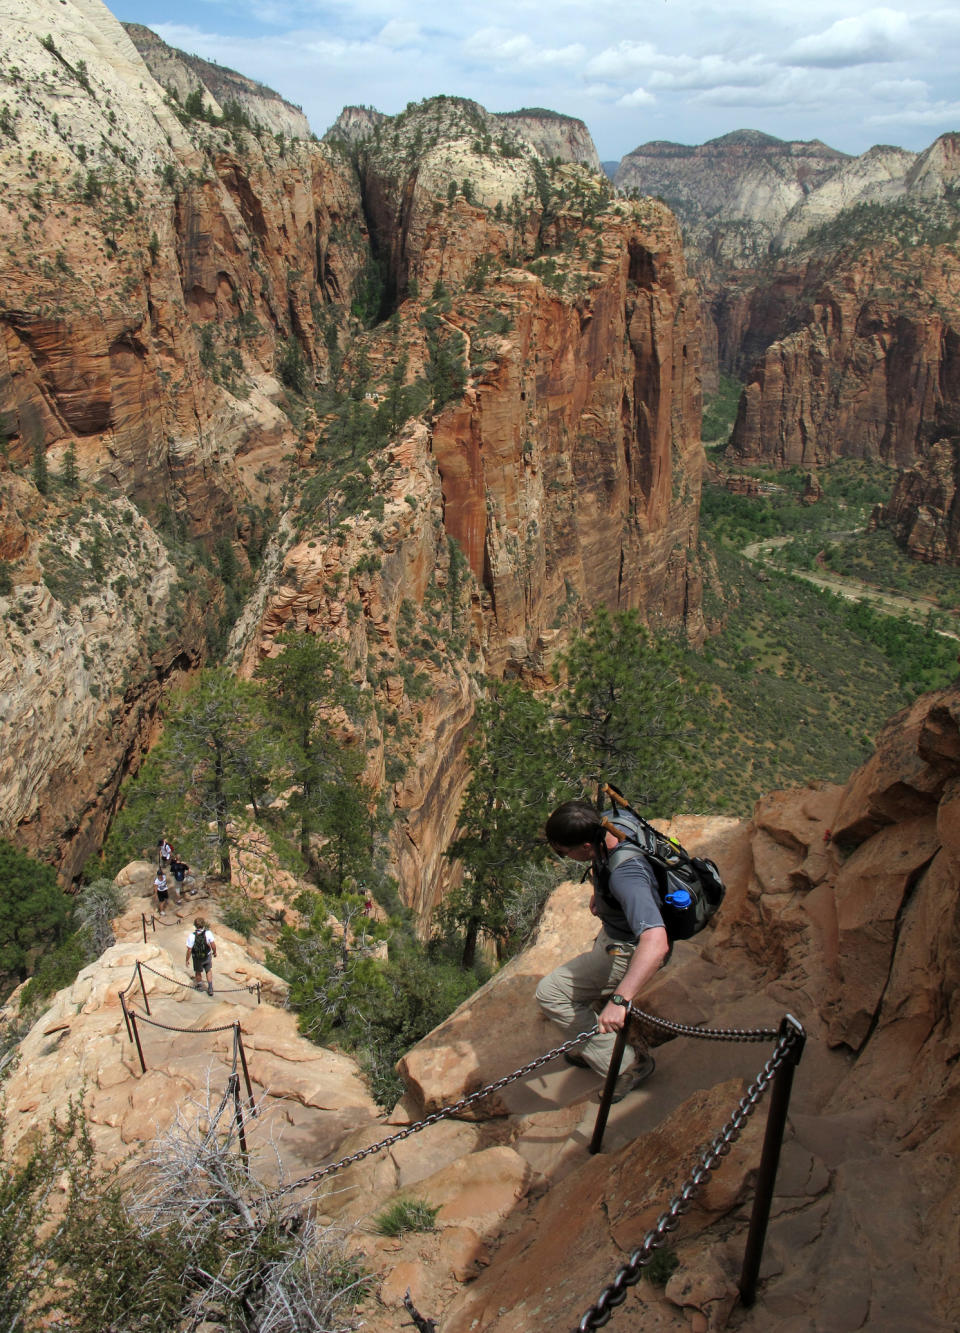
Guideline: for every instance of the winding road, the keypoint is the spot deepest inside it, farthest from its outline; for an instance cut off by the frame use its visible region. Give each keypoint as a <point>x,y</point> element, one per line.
<point>852,589</point>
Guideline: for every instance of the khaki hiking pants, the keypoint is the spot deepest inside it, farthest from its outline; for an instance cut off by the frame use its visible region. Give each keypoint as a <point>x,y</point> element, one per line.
<point>573,994</point>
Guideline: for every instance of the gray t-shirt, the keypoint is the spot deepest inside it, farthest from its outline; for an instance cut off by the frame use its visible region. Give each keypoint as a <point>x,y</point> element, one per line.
<point>629,906</point>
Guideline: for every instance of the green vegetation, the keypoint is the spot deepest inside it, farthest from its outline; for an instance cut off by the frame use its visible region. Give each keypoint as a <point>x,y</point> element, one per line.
<point>801,680</point>
<point>90,914</point>
<point>34,912</point>
<point>508,798</point>
<point>905,223</point>
<point>662,1265</point>
<point>184,1239</point>
<point>720,411</point>
<point>405,1215</point>
<point>344,994</point>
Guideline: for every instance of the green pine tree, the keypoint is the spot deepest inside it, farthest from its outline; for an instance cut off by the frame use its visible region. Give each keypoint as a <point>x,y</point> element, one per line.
<point>624,713</point>
<point>509,796</point>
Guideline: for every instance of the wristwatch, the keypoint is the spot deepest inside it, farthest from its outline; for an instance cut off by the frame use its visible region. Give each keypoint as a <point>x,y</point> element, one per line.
<point>618,999</point>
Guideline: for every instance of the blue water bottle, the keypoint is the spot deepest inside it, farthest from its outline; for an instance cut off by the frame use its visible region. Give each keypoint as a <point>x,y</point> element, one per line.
<point>678,898</point>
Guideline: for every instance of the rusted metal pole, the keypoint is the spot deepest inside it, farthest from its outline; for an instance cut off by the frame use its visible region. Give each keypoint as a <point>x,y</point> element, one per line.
<point>246,1072</point>
<point>790,1030</point>
<point>606,1098</point>
<point>143,919</point>
<point>126,1016</point>
<point>136,1038</point>
<point>238,1113</point>
<point>146,1002</point>
<point>258,992</point>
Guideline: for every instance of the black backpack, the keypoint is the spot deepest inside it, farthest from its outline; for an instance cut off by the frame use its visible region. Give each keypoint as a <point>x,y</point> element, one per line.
<point>690,888</point>
<point>199,949</point>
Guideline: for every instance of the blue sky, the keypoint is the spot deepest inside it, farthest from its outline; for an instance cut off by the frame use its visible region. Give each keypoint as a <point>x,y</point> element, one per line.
<point>850,74</point>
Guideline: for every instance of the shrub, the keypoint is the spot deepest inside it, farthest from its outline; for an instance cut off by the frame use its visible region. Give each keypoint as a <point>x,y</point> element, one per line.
<point>406,1215</point>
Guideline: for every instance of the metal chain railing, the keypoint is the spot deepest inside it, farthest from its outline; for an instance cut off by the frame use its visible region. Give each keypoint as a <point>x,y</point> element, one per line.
<point>444,1113</point>
<point>251,988</point>
<point>447,1112</point>
<point>615,1293</point>
<point>710,1034</point>
<point>169,1027</point>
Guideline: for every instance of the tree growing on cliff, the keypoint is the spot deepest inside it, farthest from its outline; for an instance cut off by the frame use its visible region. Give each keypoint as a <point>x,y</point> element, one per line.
<point>509,796</point>
<point>216,758</point>
<point>624,712</point>
<point>317,708</point>
<point>34,911</point>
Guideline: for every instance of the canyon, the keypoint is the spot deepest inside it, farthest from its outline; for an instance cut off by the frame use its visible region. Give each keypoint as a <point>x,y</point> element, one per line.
<point>182,267</point>
<point>829,286</point>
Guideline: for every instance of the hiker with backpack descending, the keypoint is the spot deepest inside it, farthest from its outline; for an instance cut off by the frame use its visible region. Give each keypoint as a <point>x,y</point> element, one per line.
<point>629,950</point>
<point>201,951</point>
<point>647,892</point>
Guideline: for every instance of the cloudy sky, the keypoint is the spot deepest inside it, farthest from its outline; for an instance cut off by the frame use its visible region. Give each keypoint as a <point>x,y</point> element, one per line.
<point>850,74</point>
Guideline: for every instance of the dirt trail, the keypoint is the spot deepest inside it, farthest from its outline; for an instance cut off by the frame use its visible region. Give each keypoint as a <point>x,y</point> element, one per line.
<point>848,587</point>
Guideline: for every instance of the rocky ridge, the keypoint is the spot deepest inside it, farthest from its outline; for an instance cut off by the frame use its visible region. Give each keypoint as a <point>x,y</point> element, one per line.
<point>840,910</point>
<point>183,74</point>
<point>549,134</point>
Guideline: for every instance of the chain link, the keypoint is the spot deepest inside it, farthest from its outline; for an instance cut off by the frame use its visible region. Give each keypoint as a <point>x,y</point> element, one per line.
<point>709,1034</point>
<point>615,1293</point>
<point>447,1112</point>
<point>444,1113</point>
<point>190,985</point>
<point>168,1027</point>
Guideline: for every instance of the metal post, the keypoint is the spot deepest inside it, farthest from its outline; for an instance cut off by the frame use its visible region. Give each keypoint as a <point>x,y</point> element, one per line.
<point>143,920</point>
<point>126,1016</point>
<point>246,1072</point>
<point>146,1002</point>
<point>238,1113</point>
<point>136,1038</point>
<point>258,992</point>
<point>606,1098</point>
<point>770,1157</point>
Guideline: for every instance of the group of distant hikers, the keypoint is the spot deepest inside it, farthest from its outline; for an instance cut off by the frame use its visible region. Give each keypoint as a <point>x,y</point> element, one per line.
<point>167,862</point>
<point>201,946</point>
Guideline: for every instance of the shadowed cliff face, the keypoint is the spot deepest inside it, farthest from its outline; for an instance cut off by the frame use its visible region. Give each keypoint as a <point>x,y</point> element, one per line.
<point>180,273</point>
<point>924,510</point>
<point>152,269</point>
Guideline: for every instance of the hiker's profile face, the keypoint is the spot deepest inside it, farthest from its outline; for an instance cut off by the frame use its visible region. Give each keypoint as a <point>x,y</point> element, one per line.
<point>582,853</point>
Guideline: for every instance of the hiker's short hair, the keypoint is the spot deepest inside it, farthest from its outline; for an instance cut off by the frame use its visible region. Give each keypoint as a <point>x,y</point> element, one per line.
<point>572,824</point>
<point>199,924</point>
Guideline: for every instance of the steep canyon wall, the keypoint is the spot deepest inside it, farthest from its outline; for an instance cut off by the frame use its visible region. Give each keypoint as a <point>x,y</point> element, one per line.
<point>187,280</point>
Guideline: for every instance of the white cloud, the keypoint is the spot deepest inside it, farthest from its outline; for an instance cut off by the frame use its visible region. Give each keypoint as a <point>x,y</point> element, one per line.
<point>712,71</point>
<point>879,35</point>
<point>399,33</point>
<point>623,60</point>
<point>946,115</point>
<point>500,47</point>
<point>639,97</point>
<point>603,92</point>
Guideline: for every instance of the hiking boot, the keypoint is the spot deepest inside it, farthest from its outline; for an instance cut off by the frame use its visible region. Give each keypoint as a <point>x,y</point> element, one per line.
<point>572,1058</point>
<point>210,990</point>
<point>631,1080</point>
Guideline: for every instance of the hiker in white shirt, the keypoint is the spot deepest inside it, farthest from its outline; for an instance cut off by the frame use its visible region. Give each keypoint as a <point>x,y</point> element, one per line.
<point>201,951</point>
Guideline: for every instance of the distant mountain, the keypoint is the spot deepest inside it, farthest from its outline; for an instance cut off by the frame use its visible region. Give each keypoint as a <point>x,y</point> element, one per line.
<point>552,135</point>
<point>182,74</point>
